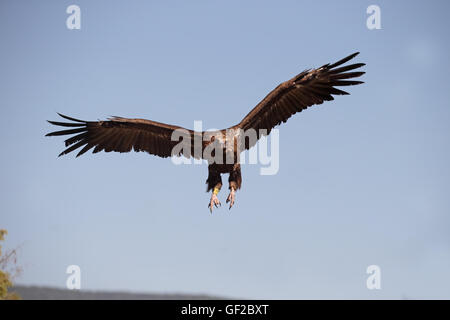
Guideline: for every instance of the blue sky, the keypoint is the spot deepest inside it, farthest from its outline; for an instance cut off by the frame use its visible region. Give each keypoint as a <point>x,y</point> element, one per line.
<point>363,180</point>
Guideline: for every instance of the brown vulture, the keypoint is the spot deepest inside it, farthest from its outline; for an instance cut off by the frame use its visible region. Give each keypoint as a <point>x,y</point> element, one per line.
<point>308,88</point>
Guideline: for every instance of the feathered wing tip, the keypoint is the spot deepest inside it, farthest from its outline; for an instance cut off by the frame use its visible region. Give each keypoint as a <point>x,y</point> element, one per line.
<point>342,61</point>
<point>79,128</point>
<point>80,125</point>
<point>65,124</point>
<point>129,134</point>
<point>339,75</point>
<point>71,119</point>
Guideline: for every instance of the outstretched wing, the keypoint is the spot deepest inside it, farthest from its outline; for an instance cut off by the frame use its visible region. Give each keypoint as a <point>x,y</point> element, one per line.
<point>122,135</point>
<point>306,89</point>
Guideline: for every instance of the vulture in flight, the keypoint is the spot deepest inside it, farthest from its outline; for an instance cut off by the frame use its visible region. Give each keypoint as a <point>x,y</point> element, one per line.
<point>220,148</point>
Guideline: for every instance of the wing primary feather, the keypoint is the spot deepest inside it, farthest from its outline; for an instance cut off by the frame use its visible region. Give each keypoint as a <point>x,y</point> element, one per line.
<point>70,149</point>
<point>64,132</point>
<point>66,124</point>
<point>69,118</point>
<point>347,68</point>
<point>85,149</point>
<point>76,138</point>
<point>338,92</point>
<point>345,83</point>
<point>347,75</point>
<point>338,63</point>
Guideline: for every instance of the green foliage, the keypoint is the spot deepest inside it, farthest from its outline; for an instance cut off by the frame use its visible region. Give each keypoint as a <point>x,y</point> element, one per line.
<point>5,277</point>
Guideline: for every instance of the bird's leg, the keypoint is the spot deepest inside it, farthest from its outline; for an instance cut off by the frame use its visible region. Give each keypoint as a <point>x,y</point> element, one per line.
<point>234,181</point>
<point>231,196</point>
<point>214,183</point>
<point>214,200</point>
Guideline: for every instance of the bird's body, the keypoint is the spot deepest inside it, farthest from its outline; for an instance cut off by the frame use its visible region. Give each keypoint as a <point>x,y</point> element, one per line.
<point>220,148</point>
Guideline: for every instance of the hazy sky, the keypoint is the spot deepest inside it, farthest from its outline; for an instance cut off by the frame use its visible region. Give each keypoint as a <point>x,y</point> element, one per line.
<point>363,180</point>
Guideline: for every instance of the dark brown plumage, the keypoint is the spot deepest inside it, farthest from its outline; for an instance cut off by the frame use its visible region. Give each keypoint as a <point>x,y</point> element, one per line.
<point>308,88</point>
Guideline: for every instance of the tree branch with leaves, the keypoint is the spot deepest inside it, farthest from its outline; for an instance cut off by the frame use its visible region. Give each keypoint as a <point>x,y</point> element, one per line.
<point>8,270</point>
